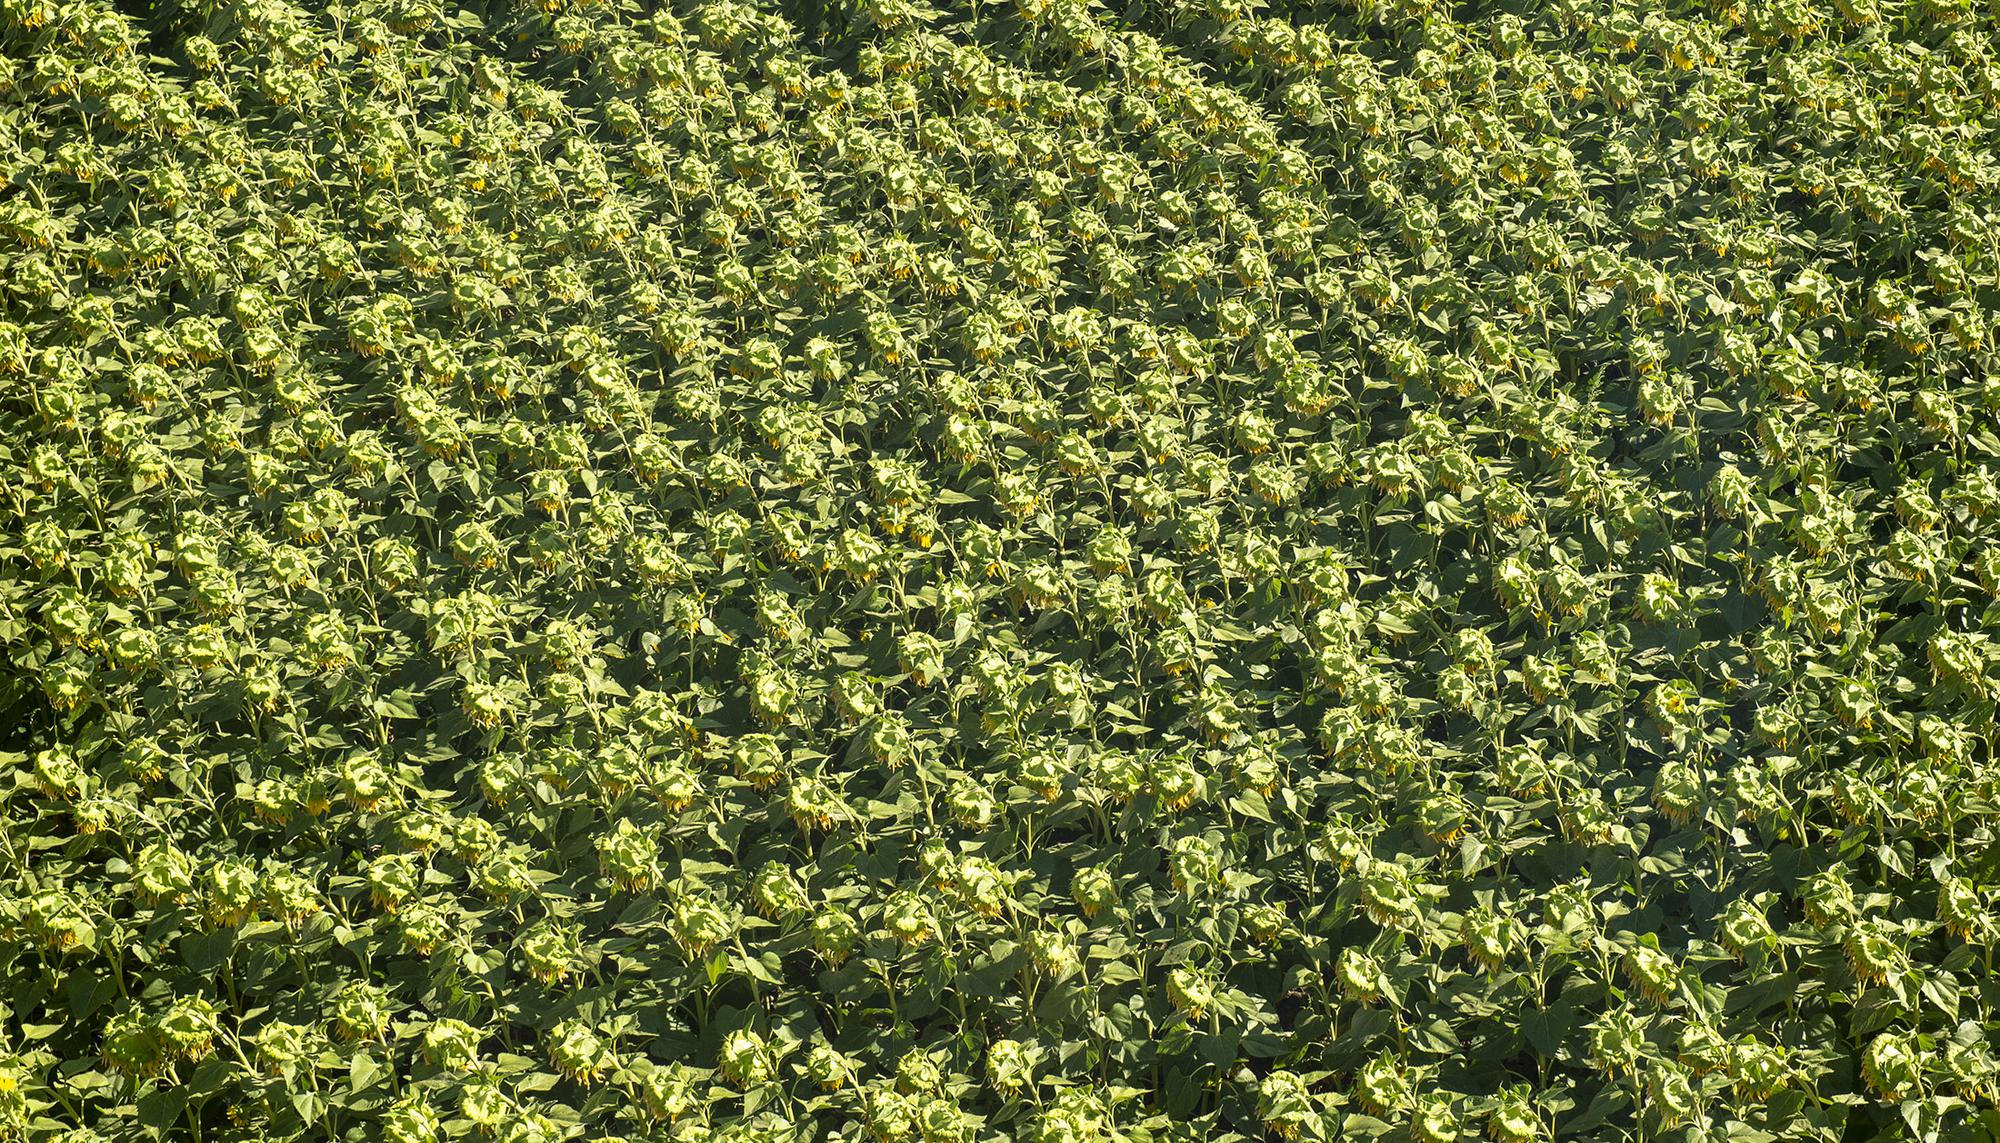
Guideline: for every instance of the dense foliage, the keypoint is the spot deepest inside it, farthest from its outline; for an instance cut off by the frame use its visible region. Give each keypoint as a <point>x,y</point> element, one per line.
<point>1021,571</point>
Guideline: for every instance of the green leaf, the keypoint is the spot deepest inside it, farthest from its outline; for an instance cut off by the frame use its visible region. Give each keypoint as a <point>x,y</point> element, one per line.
<point>363,1072</point>
<point>1250,803</point>
<point>160,1110</point>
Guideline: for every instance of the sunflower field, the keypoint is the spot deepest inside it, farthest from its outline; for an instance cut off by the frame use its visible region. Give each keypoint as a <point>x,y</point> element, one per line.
<point>1007,570</point>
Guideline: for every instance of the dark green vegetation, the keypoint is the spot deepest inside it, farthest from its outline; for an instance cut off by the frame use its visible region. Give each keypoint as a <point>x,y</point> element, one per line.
<point>1021,572</point>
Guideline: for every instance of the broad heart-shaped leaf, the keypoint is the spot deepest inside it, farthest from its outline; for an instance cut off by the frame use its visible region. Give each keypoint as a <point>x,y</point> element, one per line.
<point>364,1071</point>
<point>1545,1030</point>
<point>204,952</point>
<point>1609,1102</point>
<point>160,1110</point>
<point>309,1105</point>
